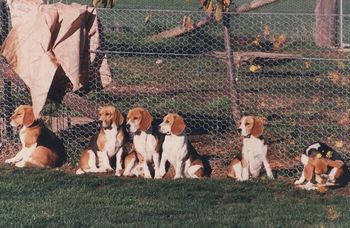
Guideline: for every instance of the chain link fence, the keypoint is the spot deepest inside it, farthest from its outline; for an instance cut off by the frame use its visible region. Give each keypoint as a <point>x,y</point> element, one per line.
<point>280,73</point>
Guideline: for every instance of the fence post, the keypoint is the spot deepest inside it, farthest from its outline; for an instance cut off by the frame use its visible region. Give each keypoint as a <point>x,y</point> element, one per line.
<point>229,69</point>
<point>4,20</point>
<point>8,101</point>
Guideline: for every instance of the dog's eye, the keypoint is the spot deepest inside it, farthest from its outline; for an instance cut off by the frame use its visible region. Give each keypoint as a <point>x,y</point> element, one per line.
<point>167,121</point>
<point>135,118</point>
<point>246,124</point>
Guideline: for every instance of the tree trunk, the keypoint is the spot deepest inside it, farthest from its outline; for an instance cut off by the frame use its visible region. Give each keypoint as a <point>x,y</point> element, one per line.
<point>325,29</point>
<point>236,115</point>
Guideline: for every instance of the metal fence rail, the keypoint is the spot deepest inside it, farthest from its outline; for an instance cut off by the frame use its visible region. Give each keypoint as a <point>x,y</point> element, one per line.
<point>281,74</point>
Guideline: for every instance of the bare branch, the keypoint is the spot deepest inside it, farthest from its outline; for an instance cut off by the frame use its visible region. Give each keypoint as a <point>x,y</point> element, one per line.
<point>181,30</point>
<point>253,5</point>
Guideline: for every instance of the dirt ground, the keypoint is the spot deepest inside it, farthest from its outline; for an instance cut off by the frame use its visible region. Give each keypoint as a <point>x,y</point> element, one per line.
<point>8,150</point>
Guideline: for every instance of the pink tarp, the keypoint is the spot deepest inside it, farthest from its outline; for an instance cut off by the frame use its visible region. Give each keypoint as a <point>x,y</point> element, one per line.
<point>46,37</point>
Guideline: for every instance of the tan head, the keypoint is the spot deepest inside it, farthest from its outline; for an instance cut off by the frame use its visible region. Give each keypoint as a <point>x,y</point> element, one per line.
<point>172,123</point>
<point>23,115</point>
<point>251,125</point>
<point>110,116</point>
<point>138,119</point>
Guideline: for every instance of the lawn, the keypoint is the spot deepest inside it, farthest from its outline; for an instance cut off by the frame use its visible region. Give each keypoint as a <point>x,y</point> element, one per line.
<point>304,100</point>
<point>55,199</point>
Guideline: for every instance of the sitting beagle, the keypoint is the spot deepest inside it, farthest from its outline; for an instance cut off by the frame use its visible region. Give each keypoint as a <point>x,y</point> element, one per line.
<point>323,166</point>
<point>254,151</point>
<point>106,144</point>
<point>40,146</point>
<point>146,143</point>
<point>177,150</point>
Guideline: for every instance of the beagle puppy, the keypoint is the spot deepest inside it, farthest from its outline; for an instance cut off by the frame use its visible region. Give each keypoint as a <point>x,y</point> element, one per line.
<point>323,166</point>
<point>105,145</point>
<point>254,151</point>
<point>40,146</point>
<point>146,143</point>
<point>176,149</point>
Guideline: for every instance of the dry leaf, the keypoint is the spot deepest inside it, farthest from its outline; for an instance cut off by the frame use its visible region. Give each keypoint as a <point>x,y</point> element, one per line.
<point>334,76</point>
<point>226,4</point>
<point>339,144</point>
<point>218,12</point>
<point>209,7</point>
<point>344,120</point>
<point>341,65</point>
<point>187,22</point>
<point>257,41</point>
<point>266,32</point>
<point>307,64</point>
<point>147,18</point>
<point>338,78</point>
<point>279,41</point>
<point>333,214</point>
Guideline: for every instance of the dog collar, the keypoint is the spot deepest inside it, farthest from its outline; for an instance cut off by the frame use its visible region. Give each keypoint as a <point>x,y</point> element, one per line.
<point>35,123</point>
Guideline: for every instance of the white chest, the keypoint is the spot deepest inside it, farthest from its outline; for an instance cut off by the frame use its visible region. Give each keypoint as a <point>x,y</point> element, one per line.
<point>111,141</point>
<point>254,150</point>
<point>145,144</point>
<point>22,135</point>
<point>175,148</point>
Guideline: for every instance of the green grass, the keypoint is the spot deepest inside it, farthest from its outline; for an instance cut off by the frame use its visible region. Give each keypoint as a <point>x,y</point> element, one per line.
<point>52,198</point>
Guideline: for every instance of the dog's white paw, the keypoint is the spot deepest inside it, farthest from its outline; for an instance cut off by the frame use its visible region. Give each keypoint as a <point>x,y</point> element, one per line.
<point>148,176</point>
<point>178,176</point>
<point>298,182</point>
<point>20,164</point>
<point>159,175</point>
<point>310,186</point>
<point>9,161</point>
<point>119,172</point>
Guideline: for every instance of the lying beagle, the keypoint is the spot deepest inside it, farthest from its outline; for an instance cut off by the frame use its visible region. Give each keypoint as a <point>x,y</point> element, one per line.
<point>323,166</point>
<point>40,146</point>
<point>106,144</point>
<point>254,151</point>
<point>146,143</point>
<point>176,149</point>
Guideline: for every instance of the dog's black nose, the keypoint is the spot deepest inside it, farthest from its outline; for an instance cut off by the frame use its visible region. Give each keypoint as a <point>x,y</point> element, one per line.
<point>239,130</point>
<point>127,126</point>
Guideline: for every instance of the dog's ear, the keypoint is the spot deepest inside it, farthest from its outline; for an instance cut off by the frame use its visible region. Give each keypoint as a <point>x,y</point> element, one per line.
<point>178,126</point>
<point>28,117</point>
<point>146,120</point>
<point>258,127</point>
<point>119,118</point>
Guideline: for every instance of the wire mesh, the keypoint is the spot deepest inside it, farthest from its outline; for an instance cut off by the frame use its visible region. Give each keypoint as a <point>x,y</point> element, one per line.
<point>281,74</point>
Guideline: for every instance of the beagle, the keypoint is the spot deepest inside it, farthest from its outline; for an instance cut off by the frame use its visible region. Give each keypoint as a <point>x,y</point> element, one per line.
<point>40,146</point>
<point>323,166</point>
<point>176,149</point>
<point>254,151</point>
<point>146,143</point>
<point>106,144</point>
